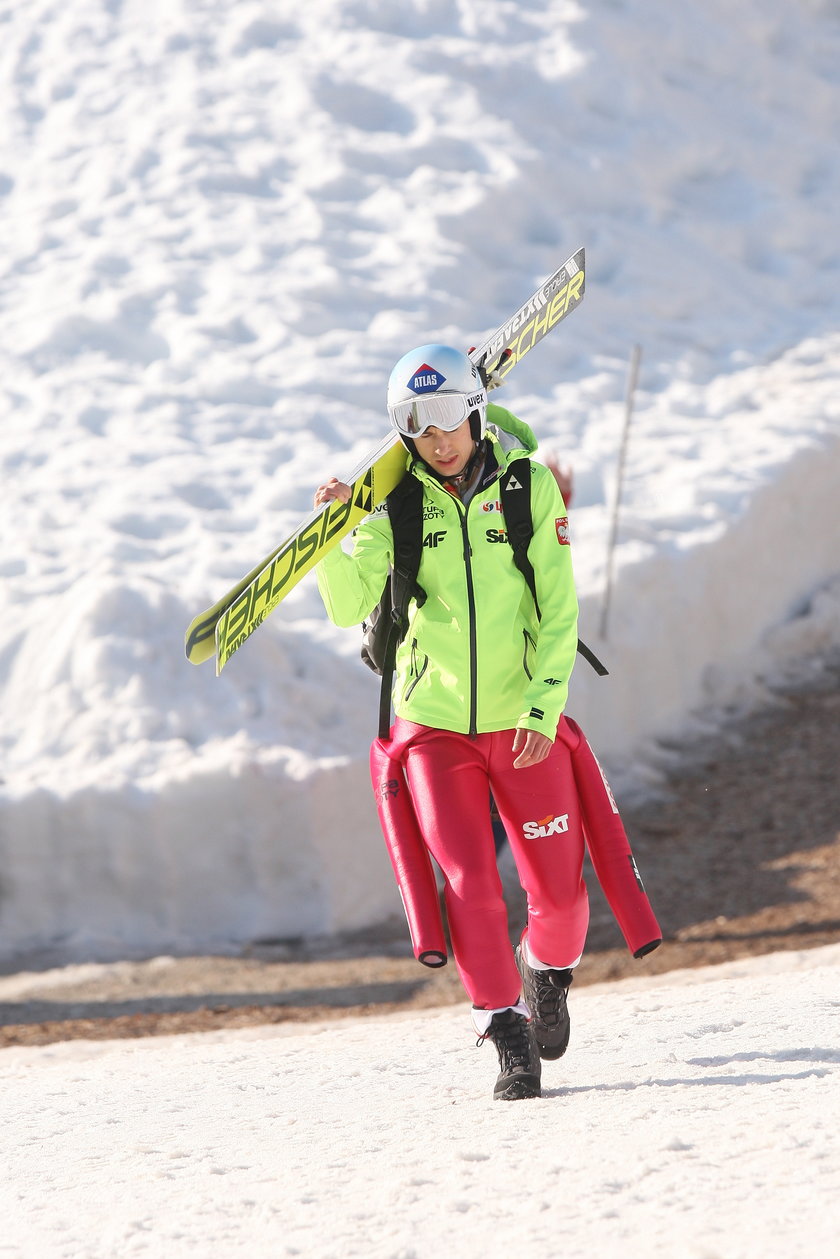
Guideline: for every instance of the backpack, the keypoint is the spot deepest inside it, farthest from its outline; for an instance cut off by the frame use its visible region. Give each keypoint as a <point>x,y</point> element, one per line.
<point>385,627</point>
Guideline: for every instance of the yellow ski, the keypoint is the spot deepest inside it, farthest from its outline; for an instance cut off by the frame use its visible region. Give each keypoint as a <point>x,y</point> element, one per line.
<point>222,629</point>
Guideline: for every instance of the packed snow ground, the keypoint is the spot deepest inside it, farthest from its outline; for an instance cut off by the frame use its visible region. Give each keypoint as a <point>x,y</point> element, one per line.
<point>696,1116</point>
<point>220,224</point>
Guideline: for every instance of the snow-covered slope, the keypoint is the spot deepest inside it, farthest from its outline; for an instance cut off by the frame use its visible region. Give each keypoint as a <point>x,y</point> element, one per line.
<point>696,1116</point>
<point>220,223</point>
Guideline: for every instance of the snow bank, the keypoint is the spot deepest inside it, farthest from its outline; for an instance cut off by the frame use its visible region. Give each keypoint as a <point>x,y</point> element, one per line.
<point>724,588</point>
<point>220,226</point>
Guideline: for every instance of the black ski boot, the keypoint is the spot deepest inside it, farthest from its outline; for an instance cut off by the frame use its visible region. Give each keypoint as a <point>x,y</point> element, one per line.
<point>545,996</point>
<point>519,1058</point>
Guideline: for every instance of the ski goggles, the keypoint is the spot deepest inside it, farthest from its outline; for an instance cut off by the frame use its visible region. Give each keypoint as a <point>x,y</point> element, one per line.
<point>446,411</point>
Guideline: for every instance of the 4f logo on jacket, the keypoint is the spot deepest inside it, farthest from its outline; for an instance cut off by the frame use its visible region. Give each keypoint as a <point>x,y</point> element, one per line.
<point>434,539</point>
<point>548,826</point>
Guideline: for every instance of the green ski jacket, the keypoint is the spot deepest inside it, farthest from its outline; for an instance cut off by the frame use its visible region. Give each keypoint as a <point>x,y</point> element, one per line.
<point>476,657</point>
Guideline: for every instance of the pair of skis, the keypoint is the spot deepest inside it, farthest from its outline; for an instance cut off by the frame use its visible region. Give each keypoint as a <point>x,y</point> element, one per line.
<point>222,629</point>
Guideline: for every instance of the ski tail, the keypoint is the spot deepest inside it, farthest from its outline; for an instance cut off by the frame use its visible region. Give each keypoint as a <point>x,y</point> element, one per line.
<point>306,546</point>
<point>222,629</point>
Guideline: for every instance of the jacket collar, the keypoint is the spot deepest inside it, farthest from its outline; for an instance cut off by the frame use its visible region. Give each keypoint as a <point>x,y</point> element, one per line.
<point>502,447</point>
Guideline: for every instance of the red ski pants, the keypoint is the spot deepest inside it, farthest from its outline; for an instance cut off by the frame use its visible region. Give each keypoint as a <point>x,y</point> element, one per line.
<point>450,777</point>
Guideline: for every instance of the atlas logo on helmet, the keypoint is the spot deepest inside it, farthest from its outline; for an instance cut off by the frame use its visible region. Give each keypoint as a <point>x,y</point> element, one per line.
<point>426,380</point>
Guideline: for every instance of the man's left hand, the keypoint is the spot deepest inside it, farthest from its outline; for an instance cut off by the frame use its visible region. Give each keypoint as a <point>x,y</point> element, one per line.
<point>532,747</point>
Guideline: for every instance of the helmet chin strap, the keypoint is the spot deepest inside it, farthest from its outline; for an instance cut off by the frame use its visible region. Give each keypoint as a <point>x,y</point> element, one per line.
<point>463,477</point>
<point>467,472</point>
<point>469,467</point>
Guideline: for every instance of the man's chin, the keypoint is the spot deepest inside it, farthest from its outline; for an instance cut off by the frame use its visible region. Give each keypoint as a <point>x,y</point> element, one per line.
<point>451,470</point>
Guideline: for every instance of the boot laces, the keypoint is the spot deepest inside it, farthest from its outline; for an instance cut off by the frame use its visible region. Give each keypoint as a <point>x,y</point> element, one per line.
<point>510,1036</point>
<point>550,991</point>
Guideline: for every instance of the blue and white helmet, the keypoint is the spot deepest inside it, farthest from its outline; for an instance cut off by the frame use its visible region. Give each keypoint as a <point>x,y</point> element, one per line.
<point>436,386</point>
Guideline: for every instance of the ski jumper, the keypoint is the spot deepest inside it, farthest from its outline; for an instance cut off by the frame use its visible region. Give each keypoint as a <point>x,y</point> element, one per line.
<point>476,664</point>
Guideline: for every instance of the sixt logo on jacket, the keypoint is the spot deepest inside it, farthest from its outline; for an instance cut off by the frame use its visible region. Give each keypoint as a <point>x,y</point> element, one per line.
<point>426,380</point>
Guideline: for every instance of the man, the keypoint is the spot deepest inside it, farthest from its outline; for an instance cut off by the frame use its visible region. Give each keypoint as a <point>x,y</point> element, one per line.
<point>482,678</point>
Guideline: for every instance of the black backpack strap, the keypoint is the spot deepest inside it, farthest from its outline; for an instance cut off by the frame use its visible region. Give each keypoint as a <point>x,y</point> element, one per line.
<point>590,658</point>
<point>386,672</point>
<point>405,512</point>
<point>515,486</point>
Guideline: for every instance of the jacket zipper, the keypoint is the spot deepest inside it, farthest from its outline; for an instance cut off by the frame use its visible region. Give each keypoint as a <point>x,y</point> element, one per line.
<point>471,609</point>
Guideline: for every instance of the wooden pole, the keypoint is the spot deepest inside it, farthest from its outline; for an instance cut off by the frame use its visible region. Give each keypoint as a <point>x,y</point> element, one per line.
<point>632,381</point>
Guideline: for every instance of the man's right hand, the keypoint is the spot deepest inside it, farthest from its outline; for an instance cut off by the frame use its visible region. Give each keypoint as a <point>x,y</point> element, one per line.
<point>330,490</point>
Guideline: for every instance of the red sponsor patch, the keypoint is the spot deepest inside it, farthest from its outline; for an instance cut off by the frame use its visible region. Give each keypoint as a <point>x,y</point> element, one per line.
<point>562,526</point>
